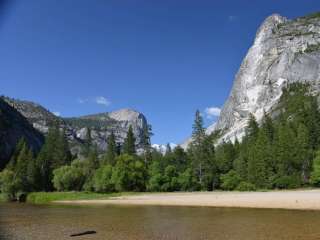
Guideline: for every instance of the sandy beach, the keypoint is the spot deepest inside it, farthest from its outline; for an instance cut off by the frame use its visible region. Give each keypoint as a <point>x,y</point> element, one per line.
<point>300,199</point>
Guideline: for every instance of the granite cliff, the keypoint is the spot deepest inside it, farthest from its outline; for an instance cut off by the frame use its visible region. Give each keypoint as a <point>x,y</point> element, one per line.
<point>284,51</point>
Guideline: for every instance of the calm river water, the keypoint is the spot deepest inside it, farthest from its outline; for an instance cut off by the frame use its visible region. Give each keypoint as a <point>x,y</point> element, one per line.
<point>22,221</point>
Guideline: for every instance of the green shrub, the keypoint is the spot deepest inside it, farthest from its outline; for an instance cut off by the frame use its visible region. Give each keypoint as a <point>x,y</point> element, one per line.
<point>187,180</point>
<point>312,48</point>
<point>68,178</point>
<point>287,182</point>
<point>155,182</point>
<point>315,174</point>
<point>246,187</point>
<point>129,174</point>
<point>102,179</point>
<point>156,177</point>
<point>170,179</point>
<point>230,180</point>
<point>10,185</point>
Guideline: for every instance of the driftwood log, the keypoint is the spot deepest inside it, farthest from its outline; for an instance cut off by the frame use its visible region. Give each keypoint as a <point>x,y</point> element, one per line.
<point>83,233</point>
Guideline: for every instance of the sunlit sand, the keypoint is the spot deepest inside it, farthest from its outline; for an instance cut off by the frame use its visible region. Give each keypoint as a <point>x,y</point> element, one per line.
<point>300,199</point>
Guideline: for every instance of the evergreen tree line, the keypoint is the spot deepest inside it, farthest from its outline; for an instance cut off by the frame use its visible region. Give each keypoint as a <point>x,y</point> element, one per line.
<point>26,172</point>
<point>281,152</point>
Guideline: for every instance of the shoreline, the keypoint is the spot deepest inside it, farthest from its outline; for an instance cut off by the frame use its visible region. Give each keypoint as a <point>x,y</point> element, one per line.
<point>295,199</point>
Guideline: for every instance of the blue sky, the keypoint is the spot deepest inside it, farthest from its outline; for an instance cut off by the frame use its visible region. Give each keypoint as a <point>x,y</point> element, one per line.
<point>165,58</point>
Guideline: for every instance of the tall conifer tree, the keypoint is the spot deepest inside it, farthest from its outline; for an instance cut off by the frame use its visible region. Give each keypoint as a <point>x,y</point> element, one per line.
<point>129,143</point>
<point>111,152</point>
<point>303,153</point>
<point>252,128</point>
<point>198,137</point>
<point>146,142</point>
<point>54,153</point>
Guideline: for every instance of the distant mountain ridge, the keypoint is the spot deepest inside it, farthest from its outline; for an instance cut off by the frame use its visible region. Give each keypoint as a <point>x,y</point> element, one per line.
<point>162,148</point>
<point>101,125</point>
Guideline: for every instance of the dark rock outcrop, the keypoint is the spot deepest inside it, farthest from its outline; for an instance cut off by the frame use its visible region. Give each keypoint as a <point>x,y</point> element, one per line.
<point>13,127</point>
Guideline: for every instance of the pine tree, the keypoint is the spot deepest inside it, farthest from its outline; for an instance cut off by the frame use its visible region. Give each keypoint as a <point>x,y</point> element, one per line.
<point>179,158</point>
<point>241,162</point>
<point>43,162</point>
<point>119,148</point>
<point>129,143</point>
<point>312,121</point>
<point>168,150</point>
<point>67,158</point>
<point>111,152</point>
<point>63,154</point>
<point>54,153</point>
<point>33,174</point>
<point>146,142</point>
<point>13,160</point>
<point>225,156</point>
<point>198,133</point>
<point>53,147</point>
<point>198,137</point>
<point>285,150</point>
<point>24,158</point>
<point>315,174</point>
<point>303,156</point>
<point>210,168</point>
<point>267,127</point>
<point>87,144</point>
<point>241,165</point>
<point>252,128</point>
<point>259,160</point>
<point>93,158</point>
<point>237,147</point>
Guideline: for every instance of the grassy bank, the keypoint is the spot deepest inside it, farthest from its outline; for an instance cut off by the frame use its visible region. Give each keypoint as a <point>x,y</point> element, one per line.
<point>47,197</point>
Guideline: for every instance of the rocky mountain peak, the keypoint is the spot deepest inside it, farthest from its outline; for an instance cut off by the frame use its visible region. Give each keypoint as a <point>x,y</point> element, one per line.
<point>265,30</point>
<point>284,51</point>
<point>270,22</point>
<point>125,114</point>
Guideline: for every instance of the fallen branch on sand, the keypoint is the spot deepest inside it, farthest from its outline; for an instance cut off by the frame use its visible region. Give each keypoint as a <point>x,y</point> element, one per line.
<point>83,233</point>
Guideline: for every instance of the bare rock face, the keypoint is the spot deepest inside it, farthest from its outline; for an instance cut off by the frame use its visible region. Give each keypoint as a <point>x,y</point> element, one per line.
<point>38,116</point>
<point>127,117</point>
<point>284,51</point>
<point>103,124</point>
<point>100,125</point>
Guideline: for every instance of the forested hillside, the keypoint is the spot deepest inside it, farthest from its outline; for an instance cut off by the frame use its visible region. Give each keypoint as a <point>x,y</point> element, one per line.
<point>280,153</point>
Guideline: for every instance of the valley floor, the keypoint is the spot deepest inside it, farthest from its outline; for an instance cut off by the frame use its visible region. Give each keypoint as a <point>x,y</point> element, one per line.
<point>298,199</point>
